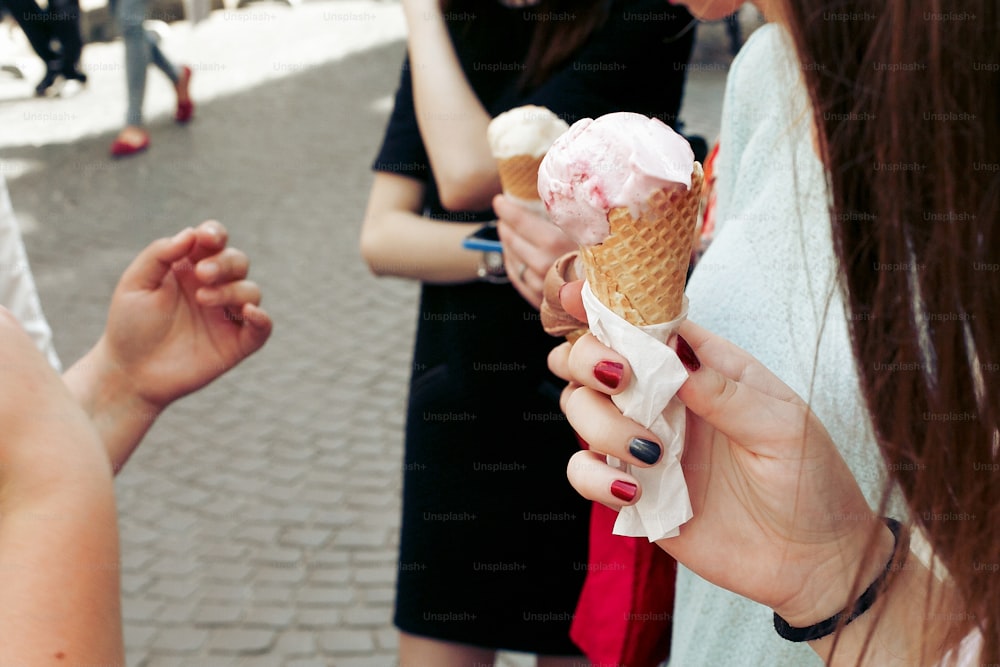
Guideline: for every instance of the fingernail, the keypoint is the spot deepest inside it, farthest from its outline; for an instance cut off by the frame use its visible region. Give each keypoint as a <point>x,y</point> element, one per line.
<point>623,490</point>
<point>646,451</point>
<point>561,288</point>
<point>609,373</point>
<point>210,270</point>
<point>687,355</point>
<point>179,235</point>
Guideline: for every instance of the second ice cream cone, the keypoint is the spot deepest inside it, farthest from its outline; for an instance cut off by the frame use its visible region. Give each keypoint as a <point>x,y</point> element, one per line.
<point>519,176</point>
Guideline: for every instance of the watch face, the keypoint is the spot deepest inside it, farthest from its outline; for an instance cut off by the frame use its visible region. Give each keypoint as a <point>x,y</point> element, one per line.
<point>494,262</point>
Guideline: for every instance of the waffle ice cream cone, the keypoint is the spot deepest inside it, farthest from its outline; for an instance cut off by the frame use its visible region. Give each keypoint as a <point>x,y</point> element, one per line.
<point>639,271</point>
<point>519,139</point>
<point>519,176</point>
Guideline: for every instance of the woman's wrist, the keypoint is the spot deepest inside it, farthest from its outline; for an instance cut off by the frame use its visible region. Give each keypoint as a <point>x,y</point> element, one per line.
<point>861,604</point>
<point>832,589</point>
<point>106,392</point>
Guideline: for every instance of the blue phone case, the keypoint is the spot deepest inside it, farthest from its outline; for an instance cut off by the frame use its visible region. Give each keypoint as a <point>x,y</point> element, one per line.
<point>479,240</point>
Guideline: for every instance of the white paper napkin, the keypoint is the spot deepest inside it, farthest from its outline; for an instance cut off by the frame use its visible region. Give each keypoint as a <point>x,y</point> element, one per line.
<point>649,400</point>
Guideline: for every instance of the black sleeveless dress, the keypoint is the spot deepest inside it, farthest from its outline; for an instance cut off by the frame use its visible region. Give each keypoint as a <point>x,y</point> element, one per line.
<point>493,545</point>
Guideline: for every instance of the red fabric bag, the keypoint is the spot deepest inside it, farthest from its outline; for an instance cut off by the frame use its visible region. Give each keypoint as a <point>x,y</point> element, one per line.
<point>624,614</point>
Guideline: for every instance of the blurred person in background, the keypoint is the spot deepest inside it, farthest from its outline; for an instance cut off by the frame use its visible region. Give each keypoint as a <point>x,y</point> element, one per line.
<point>54,34</point>
<point>142,49</point>
<point>477,573</point>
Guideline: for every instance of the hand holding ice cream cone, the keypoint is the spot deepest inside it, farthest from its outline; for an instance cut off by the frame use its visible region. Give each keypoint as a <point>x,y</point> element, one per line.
<point>627,188</point>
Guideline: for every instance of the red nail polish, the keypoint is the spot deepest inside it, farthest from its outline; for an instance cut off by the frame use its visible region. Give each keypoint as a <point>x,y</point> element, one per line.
<point>623,490</point>
<point>687,355</point>
<point>609,373</point>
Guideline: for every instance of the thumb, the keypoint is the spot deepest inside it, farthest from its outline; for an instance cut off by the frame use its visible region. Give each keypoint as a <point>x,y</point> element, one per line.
<point>153,263</point>
<point>256,330</point>
<point>760,422</point>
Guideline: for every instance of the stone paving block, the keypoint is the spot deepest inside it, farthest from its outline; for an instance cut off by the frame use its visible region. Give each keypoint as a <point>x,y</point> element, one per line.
<point>134,583</point>
<point>316,618</point>
<point>139,609</point>
<point>225,572</point>
<point>138,636</point>
<point>174,588</point>
<point>210,614</point>
<point>359,537</point>
<point>225,591</point>
<point>329,575</point>
<point>307,662</point>
<point>284,575</point>
<point>172,567</point>
<point>174,613</point>
<point>376,575</point>
<point>325,596</point>
<point>346,641</point>
<point>180,639</point>
<point>295,643</point>
<point>305,537</point>
<point>262,533</point>
<point>375,617</point>
<point>269,615</point>
<point>380,659</point>
<point>274,555</point>
<point>379,595</point>
<point>241,641</point>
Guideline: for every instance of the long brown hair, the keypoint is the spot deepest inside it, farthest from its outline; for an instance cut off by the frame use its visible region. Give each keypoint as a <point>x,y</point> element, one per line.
<point>906,99</point>
<point>561,27</point>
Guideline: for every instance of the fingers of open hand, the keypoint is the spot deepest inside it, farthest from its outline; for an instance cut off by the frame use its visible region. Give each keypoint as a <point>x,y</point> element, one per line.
<point>595,480</point>
<point>254,336</point>
<point>227,266</point>
<point>230,295</point>
<point>212,237</point>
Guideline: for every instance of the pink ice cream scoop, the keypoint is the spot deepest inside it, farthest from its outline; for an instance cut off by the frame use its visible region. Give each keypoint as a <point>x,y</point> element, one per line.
<point>617,160</point>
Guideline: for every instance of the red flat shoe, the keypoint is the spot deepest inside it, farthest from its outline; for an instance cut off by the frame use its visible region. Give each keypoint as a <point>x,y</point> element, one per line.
<point>122,148</point>
<point>185,108</point>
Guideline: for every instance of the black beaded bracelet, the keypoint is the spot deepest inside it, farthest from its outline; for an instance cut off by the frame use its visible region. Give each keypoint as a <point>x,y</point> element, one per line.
<point>863,604</point>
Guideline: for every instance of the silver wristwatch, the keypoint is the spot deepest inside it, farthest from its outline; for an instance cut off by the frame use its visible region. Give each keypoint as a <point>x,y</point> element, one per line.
<point>491,268</point>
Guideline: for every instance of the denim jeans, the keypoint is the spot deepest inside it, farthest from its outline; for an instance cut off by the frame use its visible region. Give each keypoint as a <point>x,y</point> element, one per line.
<point>141,49</point>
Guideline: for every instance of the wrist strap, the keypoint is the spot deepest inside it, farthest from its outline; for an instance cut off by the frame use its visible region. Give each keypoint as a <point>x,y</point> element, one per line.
<point>863,604</point>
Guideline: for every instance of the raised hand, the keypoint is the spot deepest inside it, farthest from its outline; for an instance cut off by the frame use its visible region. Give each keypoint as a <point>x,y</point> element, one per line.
<point>182,315</point>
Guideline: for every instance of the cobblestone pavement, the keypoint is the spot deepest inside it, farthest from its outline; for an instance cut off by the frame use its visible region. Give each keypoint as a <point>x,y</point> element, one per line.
<point>259,519</point>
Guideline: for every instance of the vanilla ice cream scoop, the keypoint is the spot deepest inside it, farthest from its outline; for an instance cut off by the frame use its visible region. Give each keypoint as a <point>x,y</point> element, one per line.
<point>618,160</point>
<point>526,130</point>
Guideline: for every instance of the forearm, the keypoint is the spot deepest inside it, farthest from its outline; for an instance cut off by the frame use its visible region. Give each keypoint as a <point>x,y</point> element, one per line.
<point>407,245</point>
<point>104,392</point>
<point>451,118</point>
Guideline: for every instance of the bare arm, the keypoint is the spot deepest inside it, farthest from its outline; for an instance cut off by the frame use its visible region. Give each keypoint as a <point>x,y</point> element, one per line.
<point>452,120</point>
<point>59,589</point>
<point>397,241</point>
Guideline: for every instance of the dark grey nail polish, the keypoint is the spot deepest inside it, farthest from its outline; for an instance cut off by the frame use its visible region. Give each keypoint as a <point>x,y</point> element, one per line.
<point>646,451</point>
